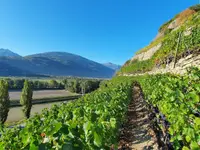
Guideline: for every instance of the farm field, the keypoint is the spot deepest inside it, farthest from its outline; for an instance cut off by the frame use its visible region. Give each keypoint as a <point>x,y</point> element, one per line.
<point>15,114</point>
<point>15,95</point>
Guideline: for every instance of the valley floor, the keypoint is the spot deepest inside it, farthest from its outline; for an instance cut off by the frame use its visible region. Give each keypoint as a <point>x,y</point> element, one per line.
<point>15,114</point>
<point>15,95</point>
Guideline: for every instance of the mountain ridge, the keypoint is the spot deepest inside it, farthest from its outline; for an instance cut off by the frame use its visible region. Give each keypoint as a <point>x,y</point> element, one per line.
<point>8,53</point>
<point>112,66</point>
<point>58,64</point>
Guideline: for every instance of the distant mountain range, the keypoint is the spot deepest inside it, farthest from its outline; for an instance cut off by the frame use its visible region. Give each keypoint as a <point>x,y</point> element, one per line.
<point>8,53</point>
<point>112,66</point>
<point>51,64</point>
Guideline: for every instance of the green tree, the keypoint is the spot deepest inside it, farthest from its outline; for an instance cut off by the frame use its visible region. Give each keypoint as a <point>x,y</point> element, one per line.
<point>53,84</point>
<point>76,86</point>
<point>71,85</point>
<point>26,99</point>
<point>4,101</point>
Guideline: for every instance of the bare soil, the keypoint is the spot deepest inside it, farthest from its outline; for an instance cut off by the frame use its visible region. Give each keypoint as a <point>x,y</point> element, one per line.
<point>136,133</point>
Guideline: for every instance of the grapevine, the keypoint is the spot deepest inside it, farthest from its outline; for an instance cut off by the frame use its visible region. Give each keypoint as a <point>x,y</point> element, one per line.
<point>177,99</point>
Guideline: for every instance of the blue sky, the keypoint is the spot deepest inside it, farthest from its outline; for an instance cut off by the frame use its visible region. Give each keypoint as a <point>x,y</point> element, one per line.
<point>100,30</point>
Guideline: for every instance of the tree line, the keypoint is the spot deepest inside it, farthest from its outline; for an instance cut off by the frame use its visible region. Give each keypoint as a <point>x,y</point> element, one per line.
<point>81,86</point>
<point>17,84</point>
<point>74,85</point>
<point>25,100</point>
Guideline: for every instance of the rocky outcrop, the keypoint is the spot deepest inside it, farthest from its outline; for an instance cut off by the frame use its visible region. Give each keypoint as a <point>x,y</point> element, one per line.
<point>180,67</point>
<point>177,39</point>
<point>188,31</point>
<point>148,54</point>
<point>173,25</point>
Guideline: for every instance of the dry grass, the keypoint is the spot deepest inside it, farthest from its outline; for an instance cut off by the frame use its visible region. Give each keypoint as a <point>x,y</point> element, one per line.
<point>183,16</point>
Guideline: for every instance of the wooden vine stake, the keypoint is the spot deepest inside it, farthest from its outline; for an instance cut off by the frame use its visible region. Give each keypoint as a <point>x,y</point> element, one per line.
<point>179,39</point>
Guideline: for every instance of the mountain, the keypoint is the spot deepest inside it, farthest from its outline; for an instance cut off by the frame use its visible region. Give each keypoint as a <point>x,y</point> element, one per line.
<point>7,70</point>
<point>62,63</point>
<point>176,47</point>
<point>112,66</point>
<point>7,53</point>
<point>59,64</point>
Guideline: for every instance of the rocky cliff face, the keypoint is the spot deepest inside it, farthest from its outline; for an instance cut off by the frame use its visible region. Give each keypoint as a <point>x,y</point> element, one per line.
<point>148,54</point>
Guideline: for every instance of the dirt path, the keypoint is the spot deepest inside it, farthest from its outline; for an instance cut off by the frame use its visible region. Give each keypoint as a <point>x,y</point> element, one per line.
<point>136,133</point>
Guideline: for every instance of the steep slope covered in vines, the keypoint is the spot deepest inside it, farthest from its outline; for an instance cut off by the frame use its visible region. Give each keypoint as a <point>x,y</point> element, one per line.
<point>177,38</point>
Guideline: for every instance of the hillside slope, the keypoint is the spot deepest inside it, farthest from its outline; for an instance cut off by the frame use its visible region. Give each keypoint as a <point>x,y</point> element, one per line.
<point>7,70</point>
<point>56,64</point>
<point>112,66</point>
<point>176,40</point>
<point>62,63</point>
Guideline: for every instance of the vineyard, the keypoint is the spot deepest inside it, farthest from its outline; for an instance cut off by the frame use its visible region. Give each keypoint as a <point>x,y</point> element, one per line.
<point>176,103</point>
<point>103,118</point>
<point>83,124</point>
<point>187,44</point>
<point>94,121</point>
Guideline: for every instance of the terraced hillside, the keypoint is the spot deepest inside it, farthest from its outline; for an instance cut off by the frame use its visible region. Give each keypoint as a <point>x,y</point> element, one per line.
<point>177,40</point>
